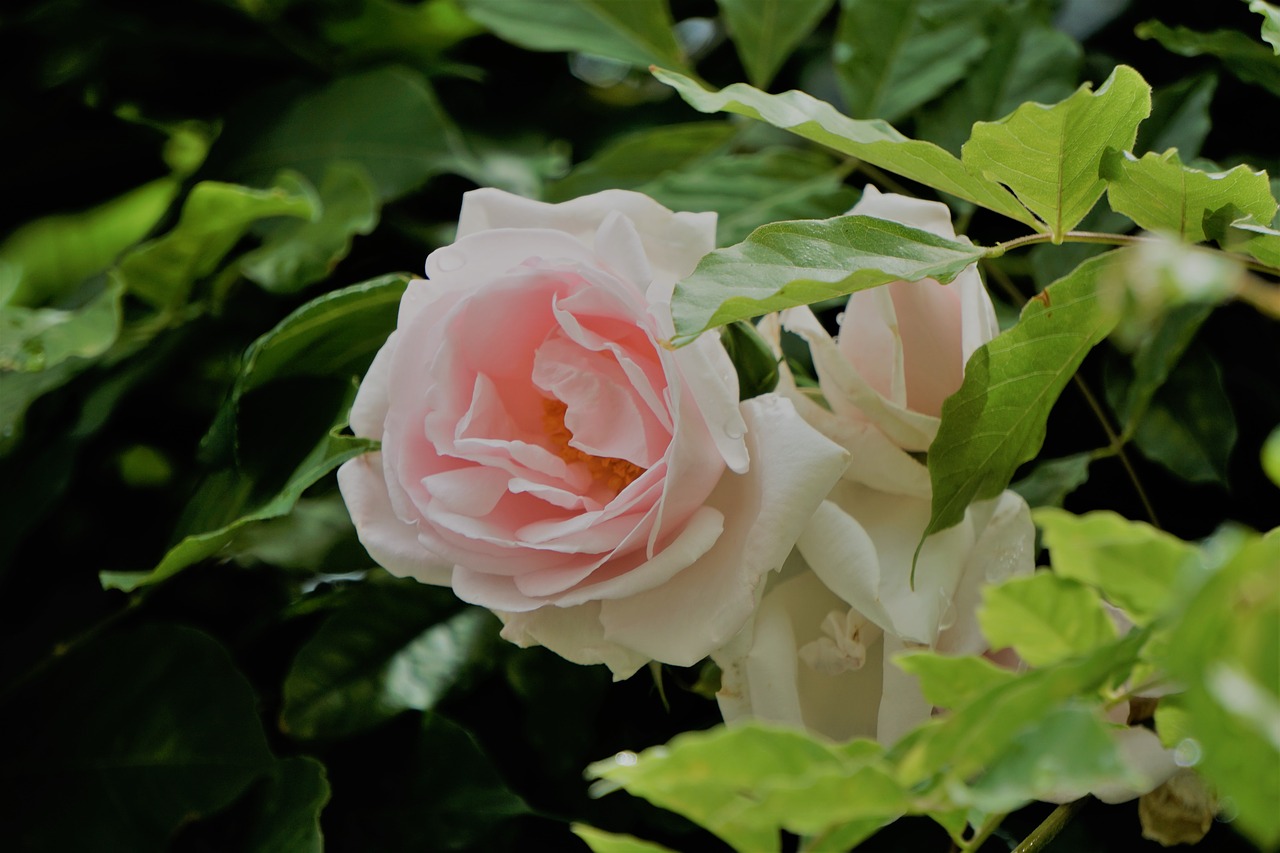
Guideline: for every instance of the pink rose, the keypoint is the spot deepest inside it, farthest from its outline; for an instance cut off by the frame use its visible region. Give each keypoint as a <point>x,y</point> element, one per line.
<point>544,455</point>
<point>819,652</point>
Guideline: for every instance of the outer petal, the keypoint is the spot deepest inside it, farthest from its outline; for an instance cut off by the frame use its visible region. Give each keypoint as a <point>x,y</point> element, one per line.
<point>702,607</point>
<point>392,543</point>
<point>574,633</point>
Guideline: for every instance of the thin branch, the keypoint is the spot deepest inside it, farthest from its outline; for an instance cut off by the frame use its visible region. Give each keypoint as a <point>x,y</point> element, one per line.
<point>1116,445</point>
<point>982,833</point>
<point>1043,835</point>
<point>1271,306</point>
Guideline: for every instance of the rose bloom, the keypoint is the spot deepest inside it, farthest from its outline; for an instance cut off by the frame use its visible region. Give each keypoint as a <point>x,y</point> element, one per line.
<point>819,652</point>
<point>547,457</point>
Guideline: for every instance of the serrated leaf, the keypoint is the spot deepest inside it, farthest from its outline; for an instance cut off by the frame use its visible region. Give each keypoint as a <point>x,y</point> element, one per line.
<point>1050,155</point>
<point>1249,59</point>
<point>747,782</point>
<point>634,31</point>
<point>1027,61</point>
<point>171,735</point>
<point>214,218</point>
<point>996,421</point>
<point>891,58</point>
<point>1139,568</point>
<point>288,819</point>
<point>765,32</point>
<point>389,648</point>
<point>1159,193</point>
<point>1052,480</point>
<point>1270,23</point>
<point>387,120</point>
<point>952,682</point>
<point>296,253</point>
<point>876,142</point>
<point>796,263</point>
<point>1068,749</point>
<point>1045,618</point>
<point>50,257</point>
<point>637,158</point>
<point>750,190</point>
<point>613,842</point>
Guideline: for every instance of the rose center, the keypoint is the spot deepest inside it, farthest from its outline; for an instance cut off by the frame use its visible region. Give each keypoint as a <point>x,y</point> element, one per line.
<point>615,474</point>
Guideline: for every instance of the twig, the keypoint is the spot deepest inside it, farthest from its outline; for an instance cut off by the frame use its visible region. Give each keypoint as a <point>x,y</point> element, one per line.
<point>1048,830</point>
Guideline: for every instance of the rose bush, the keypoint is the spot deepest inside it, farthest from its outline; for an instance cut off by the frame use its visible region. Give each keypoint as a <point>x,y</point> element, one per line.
<point>818,652</point>
<point>544,455</point>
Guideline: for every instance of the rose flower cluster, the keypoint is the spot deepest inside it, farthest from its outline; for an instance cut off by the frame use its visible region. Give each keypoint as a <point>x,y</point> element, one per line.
<point>608,497</point>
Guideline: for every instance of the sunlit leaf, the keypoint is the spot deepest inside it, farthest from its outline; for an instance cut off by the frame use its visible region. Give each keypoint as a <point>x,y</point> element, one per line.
<point>1270,22</point>
<point>1139,568</point>
<point>634,31</point>
<point>34,339</point>
<point>795,263</point>
<point>765,32</point>
<point>996,421</point>
<point>1243,55</point>
<point>1045,618</point>
<point>1160,194</point>
<point>1050,156</point>
<point>172,734</point>
<point>875,141</point>
<point>891,58</point>
<point>613,842</point>
<point>952,681</point>
<point>385,30</point>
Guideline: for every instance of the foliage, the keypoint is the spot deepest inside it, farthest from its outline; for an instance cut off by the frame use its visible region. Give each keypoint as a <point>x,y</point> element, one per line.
<point>212,212</point>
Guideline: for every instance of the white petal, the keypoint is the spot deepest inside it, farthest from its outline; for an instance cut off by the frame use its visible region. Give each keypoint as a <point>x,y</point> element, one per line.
<point>574,633</point>
<point>392,543</point>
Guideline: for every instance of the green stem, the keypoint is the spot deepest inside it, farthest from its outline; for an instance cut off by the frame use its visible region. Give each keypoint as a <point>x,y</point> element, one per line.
<point>1116,445</point>
<point>982,833</point>
<point>1044,834</point>
<point>1271,302</point>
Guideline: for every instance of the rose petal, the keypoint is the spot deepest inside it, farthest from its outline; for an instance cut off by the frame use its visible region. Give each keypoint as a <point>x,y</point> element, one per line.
<point>574,633</point>
<point>392,543</point>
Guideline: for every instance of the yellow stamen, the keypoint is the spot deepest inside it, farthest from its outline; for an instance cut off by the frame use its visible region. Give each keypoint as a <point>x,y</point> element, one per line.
<point>616,474</point>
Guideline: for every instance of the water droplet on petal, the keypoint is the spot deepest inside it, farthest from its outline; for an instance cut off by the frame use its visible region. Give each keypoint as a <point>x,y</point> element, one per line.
<point>626,758</point>
<point>1187,753</point>
<point>840,319</point>
<point>449,260</point>
<point>735,428</point>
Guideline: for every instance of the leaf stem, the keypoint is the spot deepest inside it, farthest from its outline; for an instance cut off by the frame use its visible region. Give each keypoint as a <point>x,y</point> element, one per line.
<point>1048,830</point>
<point>982,833</point>
<point>1270,302</point>
<point>1116,446</point>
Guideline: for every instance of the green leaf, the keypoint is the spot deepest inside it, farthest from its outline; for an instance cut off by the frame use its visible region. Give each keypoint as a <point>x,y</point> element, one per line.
<point>52,256</point>
<point>214,218</point>
<point>1271,456</point>
<point>1027,60</point>
<point>389,648</point>
<point>1050,156</point>
<point>996,421</point>
<point>296,253</point>
<point>1045,618</point>
<point>1190,427</point>
<point>795,263</point>
<point>636,158</point>
<point>1157,356</point>
<point>1052,480</point>
<point>288,820</point>
<point>750,190</point>
<point>765,32</point>
<point>977,734</point>
<point>34,339</point>
<point>634,31</point>
<point>753,359</point>
<point>386,30</point>
<point>1068,749</point>
<point>1250,60</point>
<point>891,58</point>
<point>1160,194</point>
<point>1252,239</point>
<point>876,142</point>
<point>1270,23</point>
<point>952,682</point>
<point>1138,568</point>
<point>326,457</point>
<point>747,782</point>
<point>387,120</point>
<point>1179,117</point>
<point>171,735</point>
<point>612,842</point>
<point>1225,650</point>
